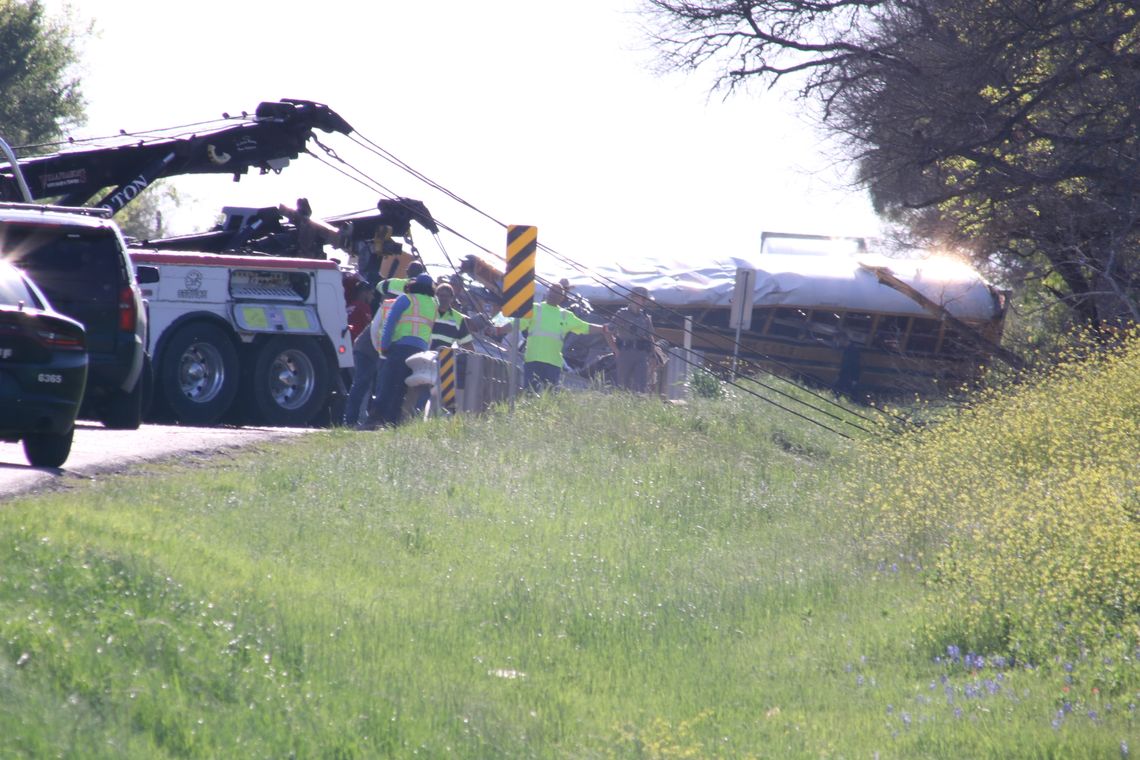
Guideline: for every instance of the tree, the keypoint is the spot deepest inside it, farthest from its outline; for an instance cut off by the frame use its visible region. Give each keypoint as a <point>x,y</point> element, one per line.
<point>40,96</point>
<point>143,218</point>
<point>1008,128</point>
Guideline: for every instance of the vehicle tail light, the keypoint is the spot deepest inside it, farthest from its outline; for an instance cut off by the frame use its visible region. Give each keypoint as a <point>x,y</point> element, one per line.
<point>128,312</point>
<point>61,341</point>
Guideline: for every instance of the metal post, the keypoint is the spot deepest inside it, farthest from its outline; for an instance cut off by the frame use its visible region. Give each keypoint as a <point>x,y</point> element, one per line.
<point>735,350</point>
<point>16,172</point>
<point>513,359</point>
<point>688,343</point>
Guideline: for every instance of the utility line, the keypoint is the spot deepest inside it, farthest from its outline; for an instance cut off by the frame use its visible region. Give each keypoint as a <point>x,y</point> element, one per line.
<point>617,289</point>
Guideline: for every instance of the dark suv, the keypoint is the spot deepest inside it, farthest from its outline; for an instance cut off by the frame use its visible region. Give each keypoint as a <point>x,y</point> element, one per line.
<point>79,260</point>
<point>43,368</point>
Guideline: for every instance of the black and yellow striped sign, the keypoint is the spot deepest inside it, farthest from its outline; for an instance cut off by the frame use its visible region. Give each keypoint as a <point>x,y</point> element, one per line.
<point>447,378</point>
<point>518,280</point>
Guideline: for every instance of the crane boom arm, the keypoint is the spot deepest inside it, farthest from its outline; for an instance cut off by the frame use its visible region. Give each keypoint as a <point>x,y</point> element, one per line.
<point>277,133</point>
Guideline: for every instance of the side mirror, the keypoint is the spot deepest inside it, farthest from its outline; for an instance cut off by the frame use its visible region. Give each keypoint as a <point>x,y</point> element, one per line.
<point>146,274</point>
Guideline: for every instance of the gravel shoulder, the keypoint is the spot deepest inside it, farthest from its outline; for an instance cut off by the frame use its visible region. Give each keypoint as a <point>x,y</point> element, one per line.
<point>98,451</point>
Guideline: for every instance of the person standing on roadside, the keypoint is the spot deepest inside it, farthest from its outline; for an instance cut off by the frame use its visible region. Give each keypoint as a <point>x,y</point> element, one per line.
<point>631,339</point>
<point>547,328</point>
<point>449,330</point>
<point>365,358</point>
<point>407,331</point>
<point>450,324</point>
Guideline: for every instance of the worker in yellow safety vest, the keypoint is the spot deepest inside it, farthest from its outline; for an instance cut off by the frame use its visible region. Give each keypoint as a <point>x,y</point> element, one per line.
<point>366,361</point>
<point>547,328</point>
<point>407,331</point>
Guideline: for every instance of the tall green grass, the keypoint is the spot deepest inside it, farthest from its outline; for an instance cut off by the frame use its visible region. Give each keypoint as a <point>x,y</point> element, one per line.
<point>587,576</point>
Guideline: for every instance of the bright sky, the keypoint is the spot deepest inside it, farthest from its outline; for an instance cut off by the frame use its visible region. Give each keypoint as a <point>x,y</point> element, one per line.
<point>537,112</point>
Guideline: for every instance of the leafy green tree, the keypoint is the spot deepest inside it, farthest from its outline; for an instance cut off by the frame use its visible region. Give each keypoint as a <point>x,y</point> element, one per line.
<point>144,217</point>
<point>40,96</point>
<point>1008,129</point>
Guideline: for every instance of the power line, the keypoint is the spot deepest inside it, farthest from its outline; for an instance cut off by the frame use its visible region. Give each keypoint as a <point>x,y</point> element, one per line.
<point>618,289</point>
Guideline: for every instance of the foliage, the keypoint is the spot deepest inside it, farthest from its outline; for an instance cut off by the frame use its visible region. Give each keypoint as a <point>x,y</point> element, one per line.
<point>706,384</point>
<point>143,217</point>
<point>40,94</point>
<point>1022,513</point>
<point>589,575</point>
<point>1006,130</point>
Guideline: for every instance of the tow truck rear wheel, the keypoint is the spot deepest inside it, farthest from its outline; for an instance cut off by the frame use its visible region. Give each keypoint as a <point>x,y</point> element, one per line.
<point>198,374</point>
<point>289,383</point>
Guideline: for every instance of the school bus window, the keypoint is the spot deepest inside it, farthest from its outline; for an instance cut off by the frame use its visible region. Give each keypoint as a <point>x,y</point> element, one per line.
<point>761,316</point>
<point>824,324</point>
<point>891,333</point>
<point>788,323</point>
<point>820,317</point>
<point>955,344</point>
<point>857,325</point>
<point>923,336</point>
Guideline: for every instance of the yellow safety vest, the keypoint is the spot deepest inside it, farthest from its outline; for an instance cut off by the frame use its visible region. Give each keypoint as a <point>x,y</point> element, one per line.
<point>417,319</point>
<point>545,328</point>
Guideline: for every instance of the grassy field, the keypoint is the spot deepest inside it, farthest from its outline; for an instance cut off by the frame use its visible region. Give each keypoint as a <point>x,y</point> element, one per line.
<point>598,576</point>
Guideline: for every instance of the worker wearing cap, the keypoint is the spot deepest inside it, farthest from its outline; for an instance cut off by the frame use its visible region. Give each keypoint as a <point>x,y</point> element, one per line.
<point>365,357</point>
<point>407,331</point>
<point>449,330</point>
<point>547,327</point>
<point>631,338</point>
<point>450,326</point>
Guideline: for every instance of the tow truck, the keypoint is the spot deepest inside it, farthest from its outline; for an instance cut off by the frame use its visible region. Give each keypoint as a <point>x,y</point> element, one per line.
<point>247,322</point>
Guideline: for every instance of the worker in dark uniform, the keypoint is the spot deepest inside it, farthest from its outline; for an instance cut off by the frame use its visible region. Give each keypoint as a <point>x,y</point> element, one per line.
<point>850,367</point>
<point>631,339</point>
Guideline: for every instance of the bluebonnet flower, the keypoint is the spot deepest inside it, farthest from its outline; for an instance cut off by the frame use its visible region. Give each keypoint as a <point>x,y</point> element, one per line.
<point>859,680</point>
<point>1123,748</point>
<point>1066,706</point>
<point>906,719</point>
<point>991,686</point>
<point>1092,715</point>
<point>890,709</point>
<point>957,712</point>
<point>1068,667</point>
<point>954,652</point>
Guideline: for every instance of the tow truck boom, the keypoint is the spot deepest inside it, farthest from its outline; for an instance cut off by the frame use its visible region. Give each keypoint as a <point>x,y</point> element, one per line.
<point>277,134</point>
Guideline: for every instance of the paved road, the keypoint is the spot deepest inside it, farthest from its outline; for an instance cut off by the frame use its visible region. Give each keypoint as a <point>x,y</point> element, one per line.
<point>98,450</point>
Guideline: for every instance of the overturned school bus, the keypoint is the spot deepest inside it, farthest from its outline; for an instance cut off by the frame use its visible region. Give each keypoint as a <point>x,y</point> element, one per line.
<point>902,325</point>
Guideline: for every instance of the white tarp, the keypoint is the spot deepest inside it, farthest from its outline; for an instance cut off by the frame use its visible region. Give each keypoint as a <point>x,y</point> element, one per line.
<point>801,280</point>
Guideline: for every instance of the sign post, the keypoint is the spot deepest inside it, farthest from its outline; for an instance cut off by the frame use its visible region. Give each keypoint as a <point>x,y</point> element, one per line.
<point>518,288</point>
<point>447,379</point>
<point>740,317</point>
